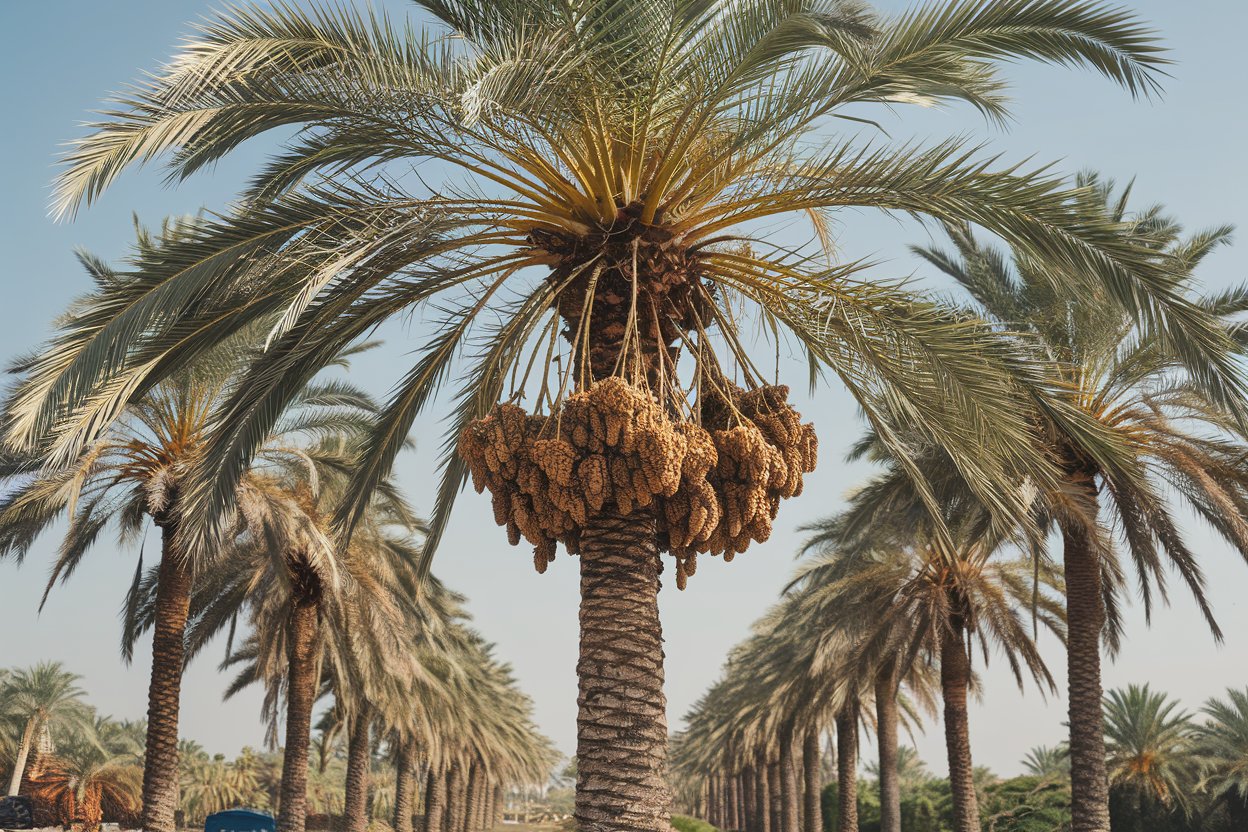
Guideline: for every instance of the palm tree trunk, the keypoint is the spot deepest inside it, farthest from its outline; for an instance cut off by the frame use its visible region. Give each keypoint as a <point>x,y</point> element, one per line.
<point>404,783</point>
<point>776,794</point>
<point>355,801</point>
<point>1085,617</point>
<point>23,753</point>
<point>435,800</point>
<point>886,733</point>
<point>749,795</point>
<point>730,792</point>
<point>791,805</point>
<point>496,809</point>
<point>302,678</point>
<point>456,798</point>
<point>712,801</point>
<point>621,749</point>
<point>164,692</point>
<point>762,797</point>
<point>847,767</point>
<point>475,788</point>
<point>810,767</point>
<point>955,680</point>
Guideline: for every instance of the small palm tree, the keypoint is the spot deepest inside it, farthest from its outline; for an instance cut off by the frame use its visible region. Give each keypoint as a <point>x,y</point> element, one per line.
<point>213,785</point>
<point>1222,746</point>
<point>610,169</point>
<point>1149,751</point>
<point>90,777</point>
<point>41,699</point>
<point>1048,762</point>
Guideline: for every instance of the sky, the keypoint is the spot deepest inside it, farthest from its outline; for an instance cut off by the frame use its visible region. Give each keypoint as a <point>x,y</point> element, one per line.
<point>59,58</point>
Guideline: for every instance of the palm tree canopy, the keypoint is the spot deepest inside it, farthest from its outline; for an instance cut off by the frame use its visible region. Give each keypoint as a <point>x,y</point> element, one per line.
<point>1148,741</point>
<point>592,140</point>
<point>47,694</point>
<point>1222,745</point>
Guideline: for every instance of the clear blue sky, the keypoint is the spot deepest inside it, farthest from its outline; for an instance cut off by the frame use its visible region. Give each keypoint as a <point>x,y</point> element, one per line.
<point>58,58</point>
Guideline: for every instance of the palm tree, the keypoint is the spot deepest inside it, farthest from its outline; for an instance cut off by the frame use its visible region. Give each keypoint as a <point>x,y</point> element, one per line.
<point>902,596</point>
<point>311,606</point>
<point>213,785</point>
<point>134,471</point>
<point>629,152</point>
<point>94,773</point>
<point>1148,744</point>
<point>1157,414</point>
<point>1221,744</point>
<point>1048,762</point>
<point>41,698</point>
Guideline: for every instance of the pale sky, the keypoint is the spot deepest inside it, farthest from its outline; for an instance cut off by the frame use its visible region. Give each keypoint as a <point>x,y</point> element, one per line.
<point>60,57</point>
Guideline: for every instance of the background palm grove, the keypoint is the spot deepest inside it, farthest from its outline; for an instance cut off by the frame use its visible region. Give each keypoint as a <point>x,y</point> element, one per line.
<point>628,267</point>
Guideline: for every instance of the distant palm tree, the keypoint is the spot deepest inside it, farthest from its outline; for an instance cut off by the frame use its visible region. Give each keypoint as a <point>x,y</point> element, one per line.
<point>213,785</point>
<point>1149,748</point>
<point>41,699</point>
<point>1221,744</point>
<point>1048,761</point>
<point>134,471</point>
<point>904,593</point>
<point>631,154</point>
<point>90,776</point>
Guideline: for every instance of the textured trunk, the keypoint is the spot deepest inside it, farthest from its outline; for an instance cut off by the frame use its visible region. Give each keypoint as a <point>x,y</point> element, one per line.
<point>749,799</point>
<point>456,798</point>
<point>813,813</point>
<point>730,793</point>
<point>303,628</point>
<point>886,733</point>
<point>496,810</point>
<point>776,793</point>
<point>404,784</point>
<point>1085,617</point>
<point>955,680</point>
<point>847,767</point>
<point>160,762</point>
<point>714,805</point>
<point>435,800</point>
<point>791,805</point>
<point>355,801</point>
<point>622,739</point>
<point>476,801</point>
<point>762,792</point>
<point>23,753</point>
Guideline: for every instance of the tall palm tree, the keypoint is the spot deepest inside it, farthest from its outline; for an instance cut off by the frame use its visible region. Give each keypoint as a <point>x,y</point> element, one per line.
<point>629,152</point>
<point>1222,747</point>
<point>903,595</point>
<point>311,606</point>
<point>134,471</point>
<point>1171,432</point>
<point>1148,744</point>
<point>41,698</point>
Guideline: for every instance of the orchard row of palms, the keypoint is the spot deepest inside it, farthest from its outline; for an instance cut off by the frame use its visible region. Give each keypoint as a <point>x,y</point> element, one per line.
<point>84,768</point>
<point>1170,771</point>
<point>903,589</point>
<point>577,201</point>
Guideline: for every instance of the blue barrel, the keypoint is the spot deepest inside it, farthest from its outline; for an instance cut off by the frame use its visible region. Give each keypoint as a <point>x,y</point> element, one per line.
<point>240,820</point>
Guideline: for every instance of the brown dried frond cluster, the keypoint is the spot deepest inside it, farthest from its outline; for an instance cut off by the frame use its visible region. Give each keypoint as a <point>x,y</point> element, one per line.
<point>713,487</point>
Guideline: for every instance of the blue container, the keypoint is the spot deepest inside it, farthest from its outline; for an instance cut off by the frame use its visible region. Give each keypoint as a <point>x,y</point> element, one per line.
<point>240,820</point>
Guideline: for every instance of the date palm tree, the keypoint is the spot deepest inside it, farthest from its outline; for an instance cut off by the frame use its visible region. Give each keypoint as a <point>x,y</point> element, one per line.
<point>89,777</point>
<point>609,166</point>
<point>902,594</point>
<point>1222,747</point>
<point>1048,762</point>
<point>39,699</point>
<point>134,471</point>
<point>1149,751</point>
<point>1182,442</point>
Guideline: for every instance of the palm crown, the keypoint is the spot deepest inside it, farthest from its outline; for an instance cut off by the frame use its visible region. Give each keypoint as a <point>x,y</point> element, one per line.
<point>626,150</point>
